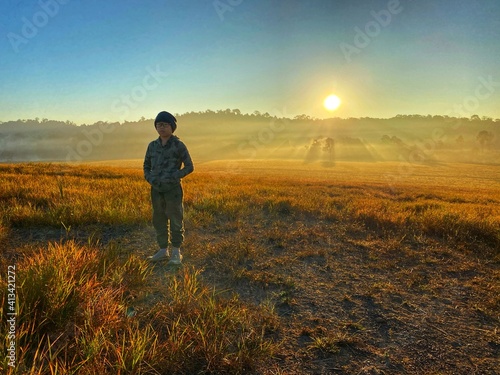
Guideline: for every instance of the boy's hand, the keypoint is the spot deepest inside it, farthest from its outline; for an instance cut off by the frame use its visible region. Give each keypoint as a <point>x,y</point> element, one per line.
<point>168,184</point>
<point>154,181</point>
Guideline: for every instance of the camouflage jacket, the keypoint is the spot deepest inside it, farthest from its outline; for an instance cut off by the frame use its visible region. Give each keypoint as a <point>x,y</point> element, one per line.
<point>164,166</point>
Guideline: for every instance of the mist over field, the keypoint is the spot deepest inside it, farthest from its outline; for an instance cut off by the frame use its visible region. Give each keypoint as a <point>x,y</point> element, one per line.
<point>230,135</point>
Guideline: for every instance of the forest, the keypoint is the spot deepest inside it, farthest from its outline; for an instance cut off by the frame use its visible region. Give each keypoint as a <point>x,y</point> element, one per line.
<point>231,135</point>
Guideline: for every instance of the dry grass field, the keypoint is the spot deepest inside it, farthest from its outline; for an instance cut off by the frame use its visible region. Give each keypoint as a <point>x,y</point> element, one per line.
<point>289,268</point>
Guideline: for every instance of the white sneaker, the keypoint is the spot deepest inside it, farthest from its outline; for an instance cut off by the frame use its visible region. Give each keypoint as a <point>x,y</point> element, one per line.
<point>162,254</point>
<point>176,257</point>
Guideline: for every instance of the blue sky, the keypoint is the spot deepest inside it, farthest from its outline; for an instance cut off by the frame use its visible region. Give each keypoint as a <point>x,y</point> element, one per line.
<point>86,61</point>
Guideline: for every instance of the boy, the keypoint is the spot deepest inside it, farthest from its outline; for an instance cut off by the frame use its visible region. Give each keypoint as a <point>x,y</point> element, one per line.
<point>167,161</point>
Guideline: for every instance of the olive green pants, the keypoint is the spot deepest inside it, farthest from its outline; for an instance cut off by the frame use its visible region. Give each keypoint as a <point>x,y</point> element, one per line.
<point>168,216</point>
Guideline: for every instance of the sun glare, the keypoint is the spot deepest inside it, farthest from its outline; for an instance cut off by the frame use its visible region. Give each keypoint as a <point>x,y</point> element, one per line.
<point>332,102</point>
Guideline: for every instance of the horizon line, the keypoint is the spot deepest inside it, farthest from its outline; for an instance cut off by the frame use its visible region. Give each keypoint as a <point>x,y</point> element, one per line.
<point>301,117</point>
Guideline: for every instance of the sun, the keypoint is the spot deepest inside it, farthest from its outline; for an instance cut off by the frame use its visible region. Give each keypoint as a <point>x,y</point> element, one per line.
<point>332,102</point>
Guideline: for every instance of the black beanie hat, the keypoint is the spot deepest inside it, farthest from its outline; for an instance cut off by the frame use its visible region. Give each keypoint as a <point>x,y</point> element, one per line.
<point>166,117</point>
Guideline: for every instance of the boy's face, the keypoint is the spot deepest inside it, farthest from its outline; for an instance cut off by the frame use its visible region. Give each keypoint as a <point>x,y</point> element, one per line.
<point>164,129</point>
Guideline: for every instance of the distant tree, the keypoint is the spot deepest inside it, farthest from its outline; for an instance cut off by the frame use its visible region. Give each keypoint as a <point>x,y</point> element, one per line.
<point>224,111</point>
<point>485,137</point>
<point>417,117</point>
<point>460,140</point>
<point>475,118</point>
<point>385,139</point>
<point>438,118</point>
<point>328,145</point>
<point>397,140</point>
<point>302,117</point>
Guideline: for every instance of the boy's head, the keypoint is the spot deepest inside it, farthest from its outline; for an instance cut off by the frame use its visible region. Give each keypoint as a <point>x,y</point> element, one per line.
<point>166,117</point>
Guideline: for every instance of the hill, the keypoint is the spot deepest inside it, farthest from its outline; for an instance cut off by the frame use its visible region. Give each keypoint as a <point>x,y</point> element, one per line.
<point>231,135</point>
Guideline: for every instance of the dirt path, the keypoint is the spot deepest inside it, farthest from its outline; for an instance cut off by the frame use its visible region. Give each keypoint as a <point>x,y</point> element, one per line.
<point>352,303</point>
<point>347,302</point>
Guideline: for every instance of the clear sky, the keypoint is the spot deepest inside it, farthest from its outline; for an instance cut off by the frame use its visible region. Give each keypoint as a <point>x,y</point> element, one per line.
<point>113,60</point>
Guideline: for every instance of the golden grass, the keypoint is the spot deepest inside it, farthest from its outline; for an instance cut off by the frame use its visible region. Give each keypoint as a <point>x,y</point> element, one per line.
<point>55,195</point>
<point>72,318</point>
<point>73,297</point>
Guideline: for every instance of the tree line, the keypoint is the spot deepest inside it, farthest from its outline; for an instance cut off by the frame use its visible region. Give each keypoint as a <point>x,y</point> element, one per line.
<point>230,133</point>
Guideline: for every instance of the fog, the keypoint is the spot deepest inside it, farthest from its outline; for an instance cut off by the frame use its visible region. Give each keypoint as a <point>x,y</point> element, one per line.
<point>230,135</point>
